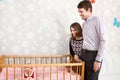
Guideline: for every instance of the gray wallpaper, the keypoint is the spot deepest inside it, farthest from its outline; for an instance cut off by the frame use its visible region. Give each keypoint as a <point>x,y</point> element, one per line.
<point>42,27</point>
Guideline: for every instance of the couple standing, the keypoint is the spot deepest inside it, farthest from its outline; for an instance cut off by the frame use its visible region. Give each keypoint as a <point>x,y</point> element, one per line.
<point>88,44</point>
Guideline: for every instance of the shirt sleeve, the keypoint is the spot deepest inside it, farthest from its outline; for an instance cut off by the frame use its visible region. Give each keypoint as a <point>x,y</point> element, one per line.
<point>71,50</point>
<point>101,31</point>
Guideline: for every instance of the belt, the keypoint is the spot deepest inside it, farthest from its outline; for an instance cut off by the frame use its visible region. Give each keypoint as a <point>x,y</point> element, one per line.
<point>89,51</point>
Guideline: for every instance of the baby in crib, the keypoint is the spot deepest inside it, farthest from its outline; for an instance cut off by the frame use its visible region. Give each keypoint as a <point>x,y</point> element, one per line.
<point>29,73</point>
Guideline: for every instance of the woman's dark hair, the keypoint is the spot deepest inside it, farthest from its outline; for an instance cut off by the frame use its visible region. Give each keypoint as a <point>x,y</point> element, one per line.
<point>78,29</point>
<point>86,4</point>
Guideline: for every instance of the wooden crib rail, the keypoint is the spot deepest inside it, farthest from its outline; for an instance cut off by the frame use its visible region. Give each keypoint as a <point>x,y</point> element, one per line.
<point>31,56</point>
<point>37,59</point>
<point>44,65</point>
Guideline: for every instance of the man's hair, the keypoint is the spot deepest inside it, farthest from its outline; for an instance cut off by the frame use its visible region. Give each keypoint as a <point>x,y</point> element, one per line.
<point>86,4</point>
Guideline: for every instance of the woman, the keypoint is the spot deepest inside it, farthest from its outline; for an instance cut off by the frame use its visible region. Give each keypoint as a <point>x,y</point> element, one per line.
<point>76,41</point>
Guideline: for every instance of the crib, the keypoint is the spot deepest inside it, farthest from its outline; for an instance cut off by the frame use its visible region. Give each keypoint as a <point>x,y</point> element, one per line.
<point>44,67</point>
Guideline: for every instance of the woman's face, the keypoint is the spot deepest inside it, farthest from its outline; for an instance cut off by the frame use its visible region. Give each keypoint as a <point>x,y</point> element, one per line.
<point>73,31</point>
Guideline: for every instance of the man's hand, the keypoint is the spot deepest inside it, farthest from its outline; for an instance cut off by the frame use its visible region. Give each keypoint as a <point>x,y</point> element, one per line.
<point>96,66</point>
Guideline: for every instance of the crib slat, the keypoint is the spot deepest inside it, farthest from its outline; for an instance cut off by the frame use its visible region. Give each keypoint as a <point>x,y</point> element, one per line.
<point>70,72</point>
<point>3,59</point>
<point>6,73</point>
<point>36,73</point>
<point>50,72</point>
<point>8,60</point>
<point>19,62</point>
<point>77,74</point>
<point>30,60</point>
<point>14,73</point>
<point>43,71</point>
<point>65,59</point>
<point>51,60</point>
<point>22,75</point>
<point>82,71</point>
<point>57,72</point>
<point>14,60</point>
<point>35,62</point>
<point>24,60</point>
<point>64,73</point>
<point>60,60</point>
<point>46,60</point>
<point>40,60</point>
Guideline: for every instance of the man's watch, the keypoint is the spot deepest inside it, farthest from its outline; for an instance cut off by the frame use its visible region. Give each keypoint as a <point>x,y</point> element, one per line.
<point>98,61</point>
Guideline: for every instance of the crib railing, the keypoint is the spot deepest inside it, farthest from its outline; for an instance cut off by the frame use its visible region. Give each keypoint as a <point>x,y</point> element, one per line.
<point>21,61</point>
<point>35,59</point>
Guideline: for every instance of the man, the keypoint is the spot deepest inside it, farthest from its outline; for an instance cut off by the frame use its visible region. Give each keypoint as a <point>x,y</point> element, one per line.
<point>94,41</point>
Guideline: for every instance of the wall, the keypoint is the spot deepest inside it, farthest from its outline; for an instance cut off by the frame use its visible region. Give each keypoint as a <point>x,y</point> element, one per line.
<point>42,27</point>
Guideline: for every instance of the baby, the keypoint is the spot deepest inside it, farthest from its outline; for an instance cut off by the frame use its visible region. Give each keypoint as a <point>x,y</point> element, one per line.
<point>28,73</point>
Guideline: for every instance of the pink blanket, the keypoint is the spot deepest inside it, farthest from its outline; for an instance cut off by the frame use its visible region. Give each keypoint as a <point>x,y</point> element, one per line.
<point>19,74</point>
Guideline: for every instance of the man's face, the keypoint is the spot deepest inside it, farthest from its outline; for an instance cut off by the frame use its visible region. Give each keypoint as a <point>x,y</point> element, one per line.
<point>83,13</point>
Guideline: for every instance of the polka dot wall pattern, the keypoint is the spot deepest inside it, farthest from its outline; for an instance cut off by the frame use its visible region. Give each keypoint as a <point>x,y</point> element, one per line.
<point>31,27</point>
<point>32,18</point>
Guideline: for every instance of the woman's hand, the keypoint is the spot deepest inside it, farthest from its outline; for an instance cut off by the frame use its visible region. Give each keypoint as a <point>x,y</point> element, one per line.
<point>76,58</point>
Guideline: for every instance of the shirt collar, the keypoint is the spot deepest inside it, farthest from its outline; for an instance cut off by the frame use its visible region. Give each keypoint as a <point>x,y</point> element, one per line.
<point>90,17</point>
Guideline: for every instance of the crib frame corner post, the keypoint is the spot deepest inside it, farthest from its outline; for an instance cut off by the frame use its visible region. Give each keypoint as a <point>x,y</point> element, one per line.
<point>2,59</point>
<point>83,70</point>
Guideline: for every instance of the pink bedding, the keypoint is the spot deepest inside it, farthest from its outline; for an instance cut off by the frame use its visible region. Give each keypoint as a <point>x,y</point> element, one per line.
<point>19,74</point>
